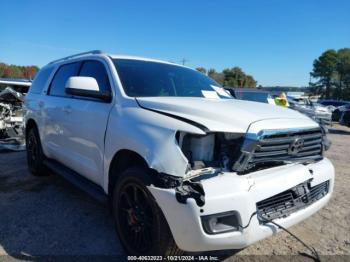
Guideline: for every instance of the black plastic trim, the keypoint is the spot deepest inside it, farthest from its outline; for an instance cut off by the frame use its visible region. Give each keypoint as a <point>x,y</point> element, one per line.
<point>79,181</point>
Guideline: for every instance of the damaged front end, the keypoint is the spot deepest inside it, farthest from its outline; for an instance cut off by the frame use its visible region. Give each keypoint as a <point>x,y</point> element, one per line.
<point>184,189</point>
<point>216,153</point>
<point>11,120</point>
<point>208,156</point>
<point>245,153</point>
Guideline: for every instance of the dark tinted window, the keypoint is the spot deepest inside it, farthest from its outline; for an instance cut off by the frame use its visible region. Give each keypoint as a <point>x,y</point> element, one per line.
<point>40,80</point>
<point>253,96</point>
<point>144,78</point>
<point>59,81</point>
<point>96,70</point>
<point>332,103</point>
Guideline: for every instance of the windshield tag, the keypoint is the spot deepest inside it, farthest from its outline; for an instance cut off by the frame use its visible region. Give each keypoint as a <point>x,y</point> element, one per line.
<point>221,91</point>
<point>210,94</point>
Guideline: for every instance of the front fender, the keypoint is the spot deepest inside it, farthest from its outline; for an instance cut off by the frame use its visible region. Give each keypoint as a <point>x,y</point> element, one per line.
<point>149,134</point>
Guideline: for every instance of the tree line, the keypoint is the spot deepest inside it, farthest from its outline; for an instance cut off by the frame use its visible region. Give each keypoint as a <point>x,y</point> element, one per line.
<point>331,71</point>
<point>331,74</point>
<point>231,77</point>
<point>14,71</point>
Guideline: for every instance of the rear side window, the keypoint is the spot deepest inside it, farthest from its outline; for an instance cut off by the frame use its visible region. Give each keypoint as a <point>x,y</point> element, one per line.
<point>58,83</point>
<point>98,71</point>
<point>40,80</point>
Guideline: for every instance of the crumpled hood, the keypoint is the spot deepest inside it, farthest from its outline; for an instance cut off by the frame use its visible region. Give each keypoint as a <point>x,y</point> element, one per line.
<point>221,115</point>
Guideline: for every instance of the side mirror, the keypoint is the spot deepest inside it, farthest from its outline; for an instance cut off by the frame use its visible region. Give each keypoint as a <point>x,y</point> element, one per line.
<point>87,87</point>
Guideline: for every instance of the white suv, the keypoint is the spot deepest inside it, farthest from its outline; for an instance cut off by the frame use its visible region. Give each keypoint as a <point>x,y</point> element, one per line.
<point>185,166</point>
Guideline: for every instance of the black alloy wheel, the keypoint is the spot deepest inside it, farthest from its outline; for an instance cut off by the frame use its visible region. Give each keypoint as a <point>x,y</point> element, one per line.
<point>140,223</point>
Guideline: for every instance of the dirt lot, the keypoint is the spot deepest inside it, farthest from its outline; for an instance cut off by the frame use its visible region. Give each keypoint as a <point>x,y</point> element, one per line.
<point>48,216</point>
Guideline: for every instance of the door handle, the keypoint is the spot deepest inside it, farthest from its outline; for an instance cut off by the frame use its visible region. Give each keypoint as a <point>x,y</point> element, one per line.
<point>67,109</point>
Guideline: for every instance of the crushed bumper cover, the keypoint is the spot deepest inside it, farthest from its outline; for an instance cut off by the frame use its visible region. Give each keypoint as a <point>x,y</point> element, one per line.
<point>231,192</point>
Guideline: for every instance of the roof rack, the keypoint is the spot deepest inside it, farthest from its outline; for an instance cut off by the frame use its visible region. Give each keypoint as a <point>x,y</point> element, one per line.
<point>92,52</point>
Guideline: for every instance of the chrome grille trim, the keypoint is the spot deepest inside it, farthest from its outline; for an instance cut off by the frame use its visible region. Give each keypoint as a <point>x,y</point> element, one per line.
<point>312,144</point>
<point>276,146</point>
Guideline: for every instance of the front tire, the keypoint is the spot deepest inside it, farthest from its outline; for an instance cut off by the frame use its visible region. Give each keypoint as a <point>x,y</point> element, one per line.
<point>35,155</point>
<point>140,223</point>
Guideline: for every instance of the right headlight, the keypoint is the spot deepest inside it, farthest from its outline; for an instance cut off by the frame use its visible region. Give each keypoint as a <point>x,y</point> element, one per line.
<point>217,149</point>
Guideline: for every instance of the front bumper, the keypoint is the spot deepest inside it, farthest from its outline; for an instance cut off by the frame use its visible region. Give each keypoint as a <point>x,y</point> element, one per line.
<point>231,192</point>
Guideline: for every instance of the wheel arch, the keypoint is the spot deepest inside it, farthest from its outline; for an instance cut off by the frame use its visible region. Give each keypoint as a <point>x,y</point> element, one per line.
<point>122,160</point>
<point>30,124</point>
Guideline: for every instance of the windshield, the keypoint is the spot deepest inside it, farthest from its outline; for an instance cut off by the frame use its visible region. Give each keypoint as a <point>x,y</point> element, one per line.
<point>144,78</point>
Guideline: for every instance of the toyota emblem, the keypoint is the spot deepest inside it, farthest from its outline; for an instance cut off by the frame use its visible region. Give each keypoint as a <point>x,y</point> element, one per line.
<point>296,146</point>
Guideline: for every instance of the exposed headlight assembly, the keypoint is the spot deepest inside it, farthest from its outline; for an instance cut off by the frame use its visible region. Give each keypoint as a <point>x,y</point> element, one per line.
<point>215,149</point>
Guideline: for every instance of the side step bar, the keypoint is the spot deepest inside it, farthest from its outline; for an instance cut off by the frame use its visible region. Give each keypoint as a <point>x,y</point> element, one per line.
<point>79,181</point>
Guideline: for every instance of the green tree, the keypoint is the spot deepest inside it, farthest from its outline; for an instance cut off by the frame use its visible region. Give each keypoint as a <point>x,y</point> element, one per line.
<point>218,77</point>
<point>343,71</point>
<point>202,70</point>
<point>29,72</point>
<point>235,77</point>
<point>324,69</point>
<point>14,71</point>
<point>2,69</point>
<point>8,71</point>
<point>250,81</point>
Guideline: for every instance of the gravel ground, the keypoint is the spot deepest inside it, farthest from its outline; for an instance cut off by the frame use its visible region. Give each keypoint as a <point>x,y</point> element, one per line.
<point>48,216</point>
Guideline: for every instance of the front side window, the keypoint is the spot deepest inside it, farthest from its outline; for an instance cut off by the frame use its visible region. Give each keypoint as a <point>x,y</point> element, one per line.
<point>96,70</point>
<point>144,79</point>
<point>58,83</point>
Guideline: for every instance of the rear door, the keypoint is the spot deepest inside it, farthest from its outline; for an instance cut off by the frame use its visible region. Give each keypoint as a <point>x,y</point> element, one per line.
<point>84,124</point>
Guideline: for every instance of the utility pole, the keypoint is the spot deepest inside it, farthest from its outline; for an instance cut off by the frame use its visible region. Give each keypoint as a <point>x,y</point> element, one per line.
<point>183,61</point>
<point>310,79</point>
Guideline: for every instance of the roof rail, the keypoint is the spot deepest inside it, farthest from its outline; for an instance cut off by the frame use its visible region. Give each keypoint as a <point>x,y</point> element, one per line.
<point>92,52</point>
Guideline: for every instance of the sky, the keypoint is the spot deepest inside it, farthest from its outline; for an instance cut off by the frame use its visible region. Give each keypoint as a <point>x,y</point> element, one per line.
<point>275,41</point>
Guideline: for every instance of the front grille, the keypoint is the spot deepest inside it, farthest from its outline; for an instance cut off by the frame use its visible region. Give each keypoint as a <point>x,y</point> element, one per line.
<point>289,201</point>
<point>279,146</point>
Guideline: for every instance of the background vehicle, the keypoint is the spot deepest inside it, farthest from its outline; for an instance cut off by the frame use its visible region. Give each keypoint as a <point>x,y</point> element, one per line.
<point>337,112</point>
<point>314,110</point>
<point>12,93</point>
<point>250,94</point>
<point>335,103</point>
<point>185,166</point>
<point>345,118</point>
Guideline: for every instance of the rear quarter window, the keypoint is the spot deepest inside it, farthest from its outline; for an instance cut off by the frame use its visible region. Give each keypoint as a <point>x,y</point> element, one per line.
<point>40,81</point>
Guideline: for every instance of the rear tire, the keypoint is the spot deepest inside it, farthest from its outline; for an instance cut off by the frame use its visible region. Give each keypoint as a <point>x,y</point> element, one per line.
<point>35,155</point>
<point>140,223</point>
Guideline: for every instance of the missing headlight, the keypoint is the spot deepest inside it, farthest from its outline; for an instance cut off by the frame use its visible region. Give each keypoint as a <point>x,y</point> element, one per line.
<point>218,150</point>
